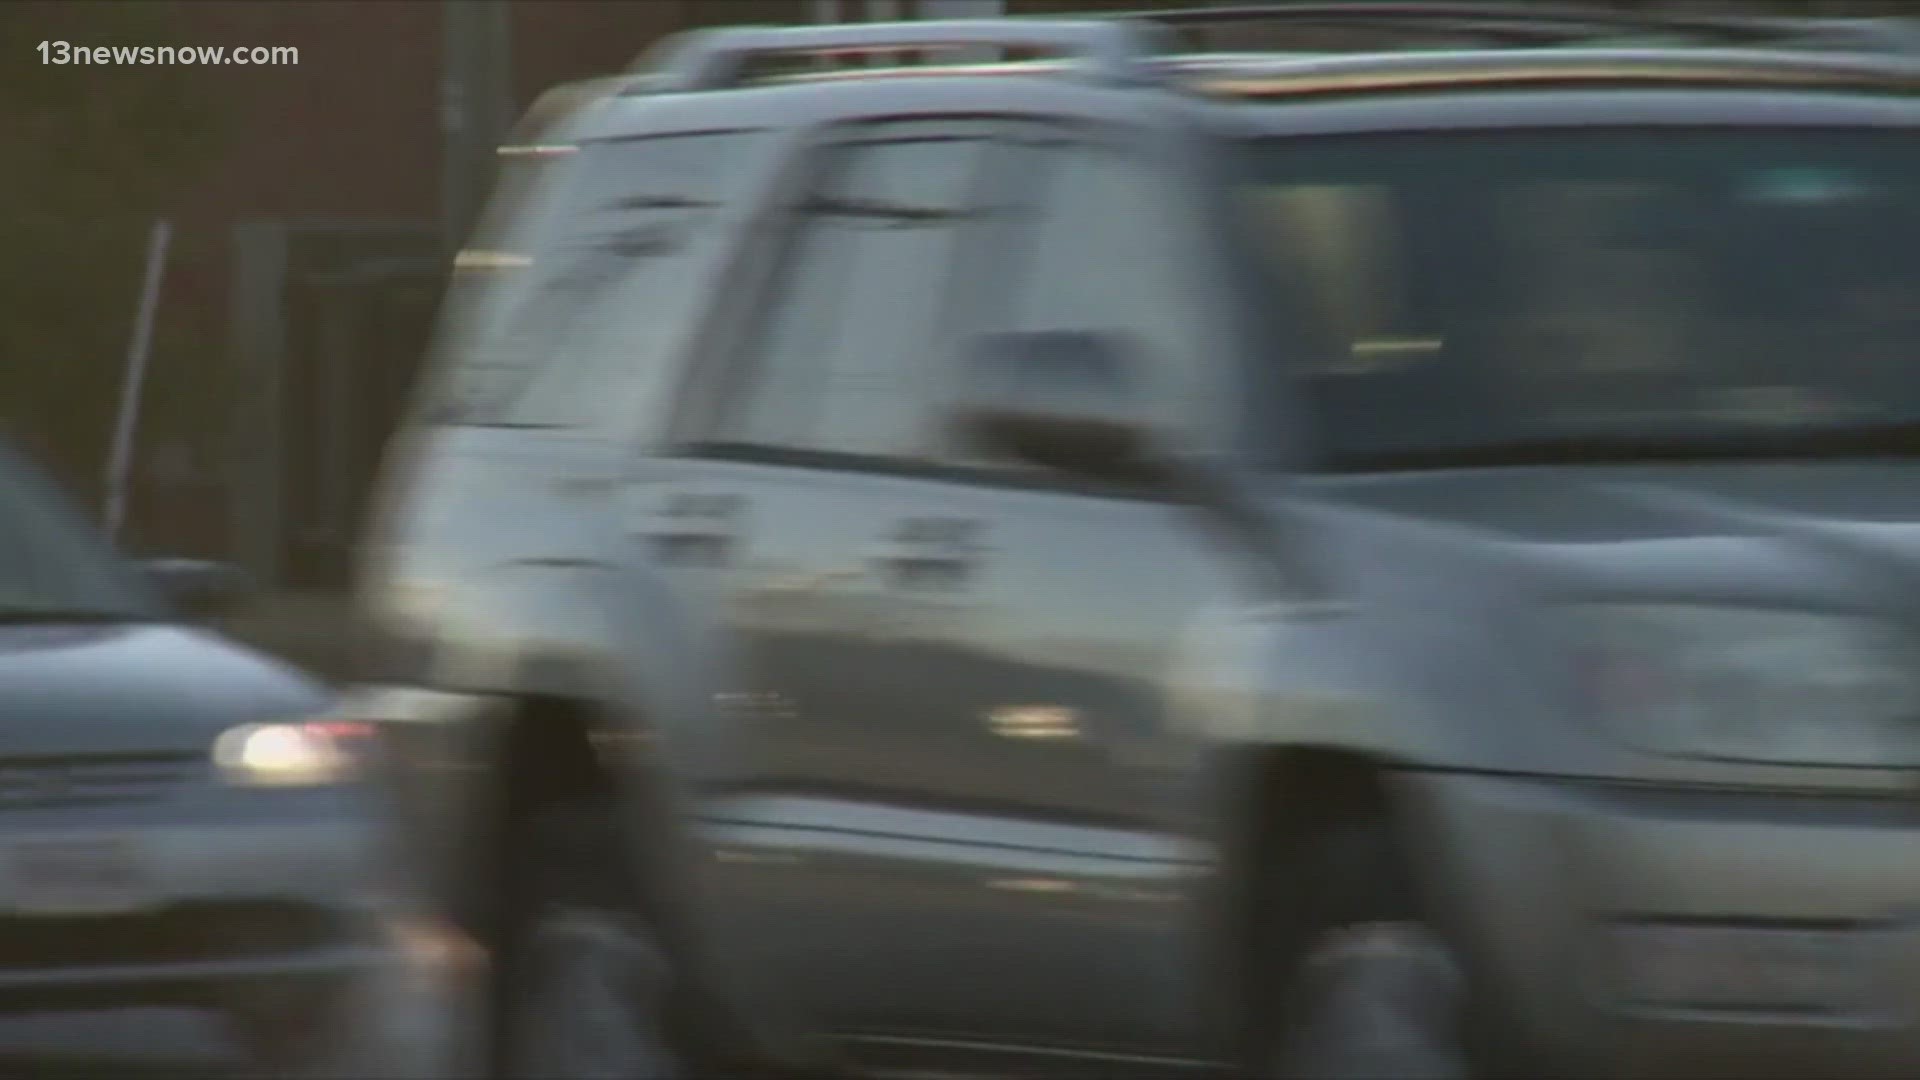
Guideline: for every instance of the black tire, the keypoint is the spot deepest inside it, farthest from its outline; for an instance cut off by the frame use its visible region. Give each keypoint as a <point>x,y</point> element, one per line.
<point>299,1035</point>
<point>1365,987</point>
<point>585,985</point>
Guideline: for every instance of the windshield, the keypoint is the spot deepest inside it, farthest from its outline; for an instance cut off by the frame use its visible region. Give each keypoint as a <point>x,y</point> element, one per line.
<point>52,566</point>
<point>1617,291</point>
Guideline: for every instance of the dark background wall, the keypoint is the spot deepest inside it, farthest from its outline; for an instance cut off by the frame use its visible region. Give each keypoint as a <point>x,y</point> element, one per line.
<point>352,135</point>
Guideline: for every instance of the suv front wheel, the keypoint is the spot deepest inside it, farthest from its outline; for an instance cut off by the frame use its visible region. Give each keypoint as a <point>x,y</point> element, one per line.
<point>587,982</point>
<point>1371,991</point>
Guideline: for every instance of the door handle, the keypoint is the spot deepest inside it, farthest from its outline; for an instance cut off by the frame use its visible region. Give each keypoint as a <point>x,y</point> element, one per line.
<point>694,529</point>
<point>929,553</point>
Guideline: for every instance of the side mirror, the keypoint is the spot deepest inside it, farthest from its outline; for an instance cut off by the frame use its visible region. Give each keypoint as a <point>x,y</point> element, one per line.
<point>1064,400</point>
<point>200,588</point>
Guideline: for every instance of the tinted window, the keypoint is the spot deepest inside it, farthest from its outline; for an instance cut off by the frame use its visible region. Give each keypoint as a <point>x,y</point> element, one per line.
<point>1105,249</point>
<point>856,320</point>
<point>582,299</point>
<point>1602,292</point>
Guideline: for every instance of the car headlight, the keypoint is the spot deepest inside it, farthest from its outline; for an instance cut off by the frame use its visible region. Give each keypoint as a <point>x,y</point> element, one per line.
<point>291,754</point>
<point>1754,684</point>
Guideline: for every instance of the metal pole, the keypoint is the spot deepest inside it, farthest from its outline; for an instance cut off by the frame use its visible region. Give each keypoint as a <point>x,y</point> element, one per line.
<point>883,11</point>
<point>962,9</point>
<point>823,13</point>
<point>965,9</point>
<point>127,422</point>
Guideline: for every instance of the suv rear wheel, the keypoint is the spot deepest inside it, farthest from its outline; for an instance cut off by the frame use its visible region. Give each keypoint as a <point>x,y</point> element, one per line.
<point>587,982</point>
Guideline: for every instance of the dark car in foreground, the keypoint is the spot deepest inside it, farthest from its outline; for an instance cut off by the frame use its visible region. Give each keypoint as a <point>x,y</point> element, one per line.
<point>1285,563</point>
<point>181,820</point>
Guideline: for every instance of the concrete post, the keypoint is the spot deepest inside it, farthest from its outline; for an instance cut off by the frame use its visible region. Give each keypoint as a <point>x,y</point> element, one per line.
<point>257,339</point>
<point>476,106</point>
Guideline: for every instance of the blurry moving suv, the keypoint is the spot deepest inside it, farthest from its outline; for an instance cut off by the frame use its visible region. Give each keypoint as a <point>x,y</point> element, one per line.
<point>181,820</point>
<point>1371,563</point>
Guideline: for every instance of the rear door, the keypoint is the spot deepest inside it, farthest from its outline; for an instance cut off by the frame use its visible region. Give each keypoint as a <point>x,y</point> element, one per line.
<point>966,809</point>
<point>1056,898</point>
<point>769,518</point>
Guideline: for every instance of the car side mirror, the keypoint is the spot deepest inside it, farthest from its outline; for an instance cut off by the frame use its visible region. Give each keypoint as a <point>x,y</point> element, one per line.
<point>200,588</point>
<point>1064,400</point>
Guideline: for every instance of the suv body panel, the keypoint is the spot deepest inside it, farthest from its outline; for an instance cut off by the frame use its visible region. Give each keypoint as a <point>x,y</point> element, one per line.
<point>543,590</point>
<point>513,552</point>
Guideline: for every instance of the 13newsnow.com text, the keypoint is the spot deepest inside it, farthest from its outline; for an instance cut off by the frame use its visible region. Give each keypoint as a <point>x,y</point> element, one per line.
<point>65,52</point>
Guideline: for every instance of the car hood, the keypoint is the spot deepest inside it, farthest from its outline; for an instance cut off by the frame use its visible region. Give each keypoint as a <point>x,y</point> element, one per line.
<point>134,688</point>
<point>1827,534</point>
<point>1441,597</point>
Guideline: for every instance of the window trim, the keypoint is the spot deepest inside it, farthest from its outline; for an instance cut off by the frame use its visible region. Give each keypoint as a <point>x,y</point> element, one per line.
<point>1135,145</point>
<point>718,356</point>
<point>843,463</point>
<point>717,376</point>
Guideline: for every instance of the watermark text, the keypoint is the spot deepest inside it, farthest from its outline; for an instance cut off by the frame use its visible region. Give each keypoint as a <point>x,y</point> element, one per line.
<point>65,52</point>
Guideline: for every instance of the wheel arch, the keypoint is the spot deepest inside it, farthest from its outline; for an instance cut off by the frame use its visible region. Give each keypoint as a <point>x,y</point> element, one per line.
<point>557,747</point>
<point>596,691</point>
<point>1278,796</point>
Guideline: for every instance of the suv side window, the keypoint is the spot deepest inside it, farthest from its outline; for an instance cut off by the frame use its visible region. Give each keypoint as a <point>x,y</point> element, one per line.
<point>858,309</point>
<point>578,317</point>
<point>1106,247</point>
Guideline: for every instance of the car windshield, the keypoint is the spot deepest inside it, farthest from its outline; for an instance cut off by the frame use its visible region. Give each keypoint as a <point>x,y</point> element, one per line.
<point>53,567</point>
<point>1510,295</point>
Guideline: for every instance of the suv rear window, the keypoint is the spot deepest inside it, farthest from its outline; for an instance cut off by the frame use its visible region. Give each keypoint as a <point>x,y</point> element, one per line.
<point>1720,288</point>
<point>585,266</point>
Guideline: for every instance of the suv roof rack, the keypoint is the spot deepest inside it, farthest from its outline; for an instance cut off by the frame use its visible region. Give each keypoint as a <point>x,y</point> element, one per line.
<point>1115,51</point>
<point>1497,69</point>
<point>1492,21</point>
<point>1140,49</point>
<point>1868,34</point>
